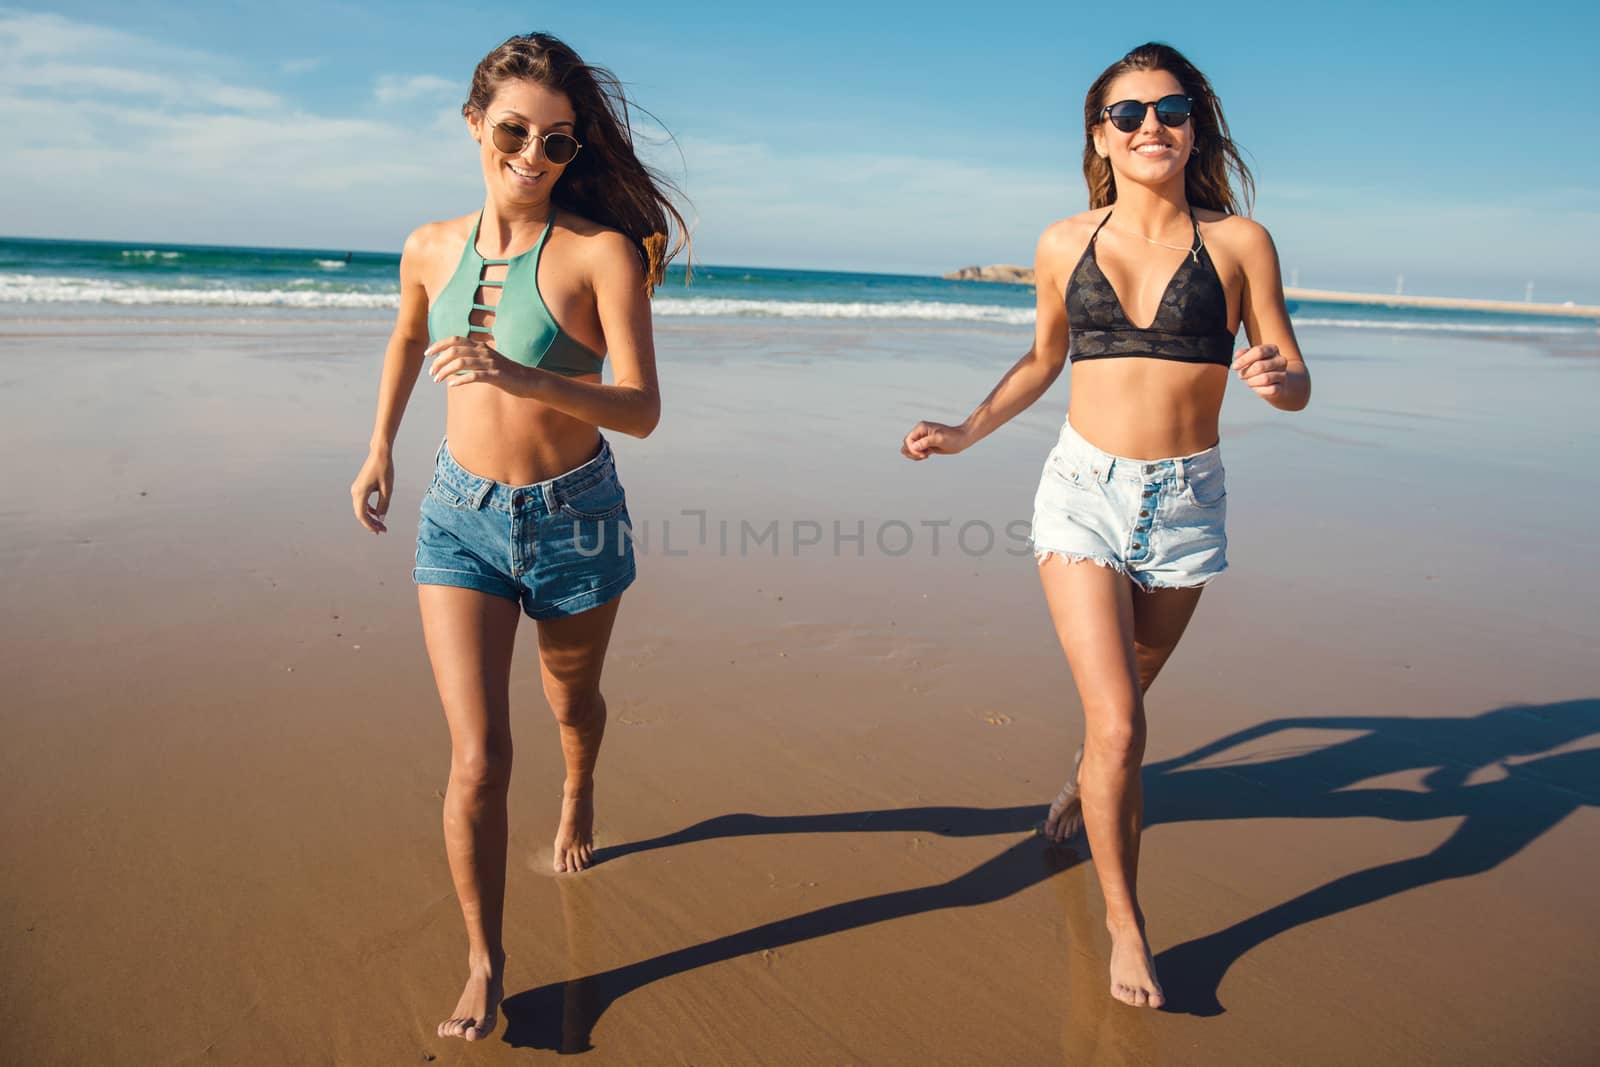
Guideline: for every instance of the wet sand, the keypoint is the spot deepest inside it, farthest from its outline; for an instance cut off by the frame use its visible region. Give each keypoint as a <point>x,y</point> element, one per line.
<point>1372,764</point>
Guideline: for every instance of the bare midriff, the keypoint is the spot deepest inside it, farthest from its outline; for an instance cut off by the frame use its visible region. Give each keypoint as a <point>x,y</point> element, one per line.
<point>1147,408</point>
<point>515,440</point>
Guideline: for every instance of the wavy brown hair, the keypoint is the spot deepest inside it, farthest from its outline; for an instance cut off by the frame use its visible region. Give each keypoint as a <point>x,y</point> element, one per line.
<point>1209,179</point>
<point>606,183</point>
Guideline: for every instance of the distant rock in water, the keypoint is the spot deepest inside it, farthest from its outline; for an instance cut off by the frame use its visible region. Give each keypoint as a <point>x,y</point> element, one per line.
<point>1000,272</point>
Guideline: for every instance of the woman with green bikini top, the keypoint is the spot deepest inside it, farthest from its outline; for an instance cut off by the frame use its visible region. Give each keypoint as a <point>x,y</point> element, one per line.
<point>523,329</point>
<point>515,307</point>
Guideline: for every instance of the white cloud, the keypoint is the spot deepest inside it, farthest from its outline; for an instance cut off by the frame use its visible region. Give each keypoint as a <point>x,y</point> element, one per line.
<point>65,59</point>
<point>76,79</point>
<point>401,88</point>
<point>872,211</point>
<point>116,136</point>
<point>192,152</point>
<point>1362,236</point>
<point>111,135</point>
<point>29,35</point>
<point>296,179</point>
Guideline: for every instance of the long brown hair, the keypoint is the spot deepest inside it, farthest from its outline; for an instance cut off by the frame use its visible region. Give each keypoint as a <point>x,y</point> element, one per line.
<point>606,183</point>
<point>1206,180</point>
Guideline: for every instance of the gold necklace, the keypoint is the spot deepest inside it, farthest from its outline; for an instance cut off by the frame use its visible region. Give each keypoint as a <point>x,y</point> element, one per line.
<point>1199,242</point>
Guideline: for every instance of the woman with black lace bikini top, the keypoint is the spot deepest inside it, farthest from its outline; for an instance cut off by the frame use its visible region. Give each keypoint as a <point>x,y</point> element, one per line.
<point>1129,516</point>
<point>1191,323</point>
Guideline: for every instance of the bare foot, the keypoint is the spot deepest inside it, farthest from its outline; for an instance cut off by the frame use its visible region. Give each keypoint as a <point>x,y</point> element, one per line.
<point>1133,972</point>
<point>1066,814</point>
<point>479,1007</point>
<point>575,835</point>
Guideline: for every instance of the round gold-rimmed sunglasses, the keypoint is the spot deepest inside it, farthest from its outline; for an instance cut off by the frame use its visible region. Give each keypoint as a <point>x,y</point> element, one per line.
<point>513,137</point>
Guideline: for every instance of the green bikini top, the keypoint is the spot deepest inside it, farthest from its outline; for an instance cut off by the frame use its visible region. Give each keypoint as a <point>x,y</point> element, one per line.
<point>524,330</point>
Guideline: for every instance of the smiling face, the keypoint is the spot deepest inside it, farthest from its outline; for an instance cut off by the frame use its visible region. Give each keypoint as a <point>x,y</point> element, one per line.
<point>528,176</point>
<point>1153,154</point>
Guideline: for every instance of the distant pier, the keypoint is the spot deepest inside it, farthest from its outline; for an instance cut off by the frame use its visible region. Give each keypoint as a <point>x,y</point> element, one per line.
<point>1509,307</point>
<point>1015,275</point>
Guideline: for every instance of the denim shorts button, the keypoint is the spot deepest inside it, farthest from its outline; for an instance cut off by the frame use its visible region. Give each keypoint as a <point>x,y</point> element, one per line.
<point>1144,514</point>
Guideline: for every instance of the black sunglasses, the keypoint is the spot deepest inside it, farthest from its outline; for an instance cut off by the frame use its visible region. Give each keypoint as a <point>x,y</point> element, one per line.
<point>512,137</point>
<point>1128,115</point>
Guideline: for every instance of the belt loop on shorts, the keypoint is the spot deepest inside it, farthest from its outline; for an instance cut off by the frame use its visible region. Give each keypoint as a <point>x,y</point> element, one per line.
<point>440,450</point>
<point>548,489</point>
<point>1107,462</point>
<point>1179,474</point>
<point>479,495</point>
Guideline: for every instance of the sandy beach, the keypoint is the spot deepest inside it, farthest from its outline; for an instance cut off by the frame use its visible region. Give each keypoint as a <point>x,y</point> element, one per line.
<point>1371,781</point>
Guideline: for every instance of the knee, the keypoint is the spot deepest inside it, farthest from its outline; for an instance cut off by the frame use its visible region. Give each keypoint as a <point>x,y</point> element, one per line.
<point>1117,739</point>
<point>576,708</point>
<point>482,770</point>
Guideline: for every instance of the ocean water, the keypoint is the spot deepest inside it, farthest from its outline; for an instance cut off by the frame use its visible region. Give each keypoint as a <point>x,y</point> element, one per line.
<point>110,275</point>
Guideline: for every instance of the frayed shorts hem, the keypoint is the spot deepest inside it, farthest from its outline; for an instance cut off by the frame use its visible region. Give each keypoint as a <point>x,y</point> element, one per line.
<point>1144,581</point>
<point>1044,555</point>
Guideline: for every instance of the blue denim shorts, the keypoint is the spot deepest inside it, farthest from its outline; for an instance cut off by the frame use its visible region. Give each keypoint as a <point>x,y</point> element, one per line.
<point>558,547</point>
<point>1158,521</point>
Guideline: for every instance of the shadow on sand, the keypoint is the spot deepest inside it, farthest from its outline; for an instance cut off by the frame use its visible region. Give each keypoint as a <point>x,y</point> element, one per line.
<point>1520,787</point>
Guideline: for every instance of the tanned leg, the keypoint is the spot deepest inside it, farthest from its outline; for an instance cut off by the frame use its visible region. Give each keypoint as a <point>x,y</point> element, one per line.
<point>470,636</point>
<point>572,653</point>
<point>1116,640</point>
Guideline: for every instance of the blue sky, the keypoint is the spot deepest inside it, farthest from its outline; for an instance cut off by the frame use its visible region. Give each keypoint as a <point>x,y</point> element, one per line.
<point>1451,143</point>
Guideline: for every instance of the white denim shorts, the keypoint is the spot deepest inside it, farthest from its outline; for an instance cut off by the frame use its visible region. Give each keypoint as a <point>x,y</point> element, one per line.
<point>1158,521</point>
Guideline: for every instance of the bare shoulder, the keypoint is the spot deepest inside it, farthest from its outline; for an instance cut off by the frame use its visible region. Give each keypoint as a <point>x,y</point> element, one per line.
<point>603,248</point>
<point>1064,240</point>
<point>597,238</point>
<point>434,240</point>
<point>1244,238</point>
<point>1073,230</point>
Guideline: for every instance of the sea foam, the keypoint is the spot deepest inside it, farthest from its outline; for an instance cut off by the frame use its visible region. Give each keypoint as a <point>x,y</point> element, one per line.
<point>303,293</point>
<point>36,289</point>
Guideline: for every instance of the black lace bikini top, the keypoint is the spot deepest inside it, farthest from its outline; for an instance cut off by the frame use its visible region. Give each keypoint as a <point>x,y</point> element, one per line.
<point>1191,323</point>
